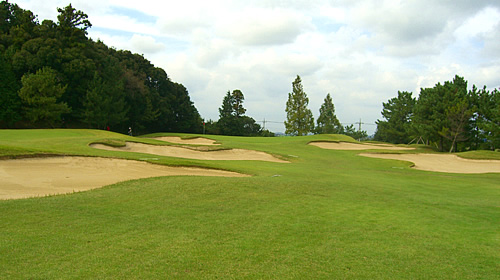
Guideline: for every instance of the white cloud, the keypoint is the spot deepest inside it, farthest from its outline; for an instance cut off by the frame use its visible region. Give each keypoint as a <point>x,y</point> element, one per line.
<point>257,26</point>
<point>146,44</point>
<point>482,23</point>
<point>362,52</point>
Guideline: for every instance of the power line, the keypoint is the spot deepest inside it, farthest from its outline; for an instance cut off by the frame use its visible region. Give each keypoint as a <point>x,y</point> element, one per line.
<point>359,123</point>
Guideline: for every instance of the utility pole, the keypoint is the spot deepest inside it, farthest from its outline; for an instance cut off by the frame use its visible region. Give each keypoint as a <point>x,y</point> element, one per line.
<point>360,123</point>
<point>264,124</point>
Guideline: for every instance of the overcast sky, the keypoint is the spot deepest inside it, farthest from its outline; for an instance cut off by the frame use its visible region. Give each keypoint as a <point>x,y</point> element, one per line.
<point>361,52</point>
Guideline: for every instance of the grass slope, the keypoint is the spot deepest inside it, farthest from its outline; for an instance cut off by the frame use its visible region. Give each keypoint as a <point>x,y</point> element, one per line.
<point>327,215</point>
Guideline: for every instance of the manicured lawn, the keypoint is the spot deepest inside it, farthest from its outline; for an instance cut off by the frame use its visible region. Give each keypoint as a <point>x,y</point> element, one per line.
<point>326,215</point>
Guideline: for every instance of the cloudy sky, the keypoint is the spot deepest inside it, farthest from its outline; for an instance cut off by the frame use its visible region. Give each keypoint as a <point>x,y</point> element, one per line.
<point>361,52</point>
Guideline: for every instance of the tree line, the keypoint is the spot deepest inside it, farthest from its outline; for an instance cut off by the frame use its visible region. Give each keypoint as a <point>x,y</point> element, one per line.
<point>300,119</point>
<point>53,75</point>
<point>447,115</point>
<point>232,118</point>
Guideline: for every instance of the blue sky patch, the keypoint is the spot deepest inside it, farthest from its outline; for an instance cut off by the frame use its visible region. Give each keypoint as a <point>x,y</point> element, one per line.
<point>135,14</point>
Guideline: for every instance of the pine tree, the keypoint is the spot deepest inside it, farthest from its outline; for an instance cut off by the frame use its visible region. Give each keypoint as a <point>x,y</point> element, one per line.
<point>327,120</point>
<point>232,120</point>
<point>227,109</point>
<point>300,120</point>
<point>40,95</point>
<point>396,128</point>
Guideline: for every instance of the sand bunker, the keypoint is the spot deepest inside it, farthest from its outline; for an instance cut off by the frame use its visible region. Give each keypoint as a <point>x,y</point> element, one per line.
<point>21,178</point>
<point>170,151</point>
<point>443,162</point>
<point>192,141</point>
<point>356,146</point>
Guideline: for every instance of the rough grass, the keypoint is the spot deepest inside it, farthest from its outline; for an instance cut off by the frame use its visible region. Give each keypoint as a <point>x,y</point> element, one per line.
<point>327,215</point>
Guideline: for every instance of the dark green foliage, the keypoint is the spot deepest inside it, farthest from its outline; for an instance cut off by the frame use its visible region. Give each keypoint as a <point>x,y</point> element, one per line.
<point>105,87</point>
<point>231,117</point>
<point>327,120</point>
<point>432,118</point>
<point>486,118</point>
<point>226,110</point>
<point>10,103</point>
<point>40,94</point>
<point>237,103</point>
<point>71,20</point>
<point>397,126</point>
<point>299,119</point>
<point>446,115</point>
<point>359,135</point>
<point>104,104</point>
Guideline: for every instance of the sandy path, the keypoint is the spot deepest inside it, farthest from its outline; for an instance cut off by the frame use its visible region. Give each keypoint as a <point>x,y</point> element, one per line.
<point>356,146</point>
<point>21,178</point>
<point>193,141</point>
<point>443,162</point>
<point>170,151</point>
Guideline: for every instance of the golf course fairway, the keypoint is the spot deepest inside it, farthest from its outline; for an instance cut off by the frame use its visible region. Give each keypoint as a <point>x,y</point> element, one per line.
<point>324,214</point>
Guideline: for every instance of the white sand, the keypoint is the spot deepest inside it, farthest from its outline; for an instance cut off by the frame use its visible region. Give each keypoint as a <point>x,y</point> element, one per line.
<point>170,151</point>
<point>21,178</point>
<point>192,141</point>
<point>356,146</point>
<point>443,162</point>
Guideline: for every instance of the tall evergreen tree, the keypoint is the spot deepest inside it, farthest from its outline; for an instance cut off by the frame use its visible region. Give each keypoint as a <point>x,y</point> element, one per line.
<point>237,99</point>
<point>232,120</point>
<point>300,120</point>
<point>226,110</point>
<point>397,113</point>
<point>327,120</point>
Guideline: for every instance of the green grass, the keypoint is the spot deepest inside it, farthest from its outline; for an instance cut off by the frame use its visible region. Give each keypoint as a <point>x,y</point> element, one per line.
<point>327,215</point>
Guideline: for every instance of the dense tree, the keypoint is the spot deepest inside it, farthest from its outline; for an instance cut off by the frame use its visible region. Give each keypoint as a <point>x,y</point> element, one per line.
<point>10,103</point>
<point>185,116</point>
<point>485,119</point>
<point>104,103</point>
<point>16,25</point>
<point>432,118</point>
<point>492,125</point>
<point>231,117</point>
<point>446,115</point>
<point>327,120</point>
<point>237,99</point>
<point>141,94</point>
<point>397,112</point>
<point>40,95</point>
<point>299,118</point>
<point>226,110</point>
<point>457,117</point>
<point>73,23</point>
